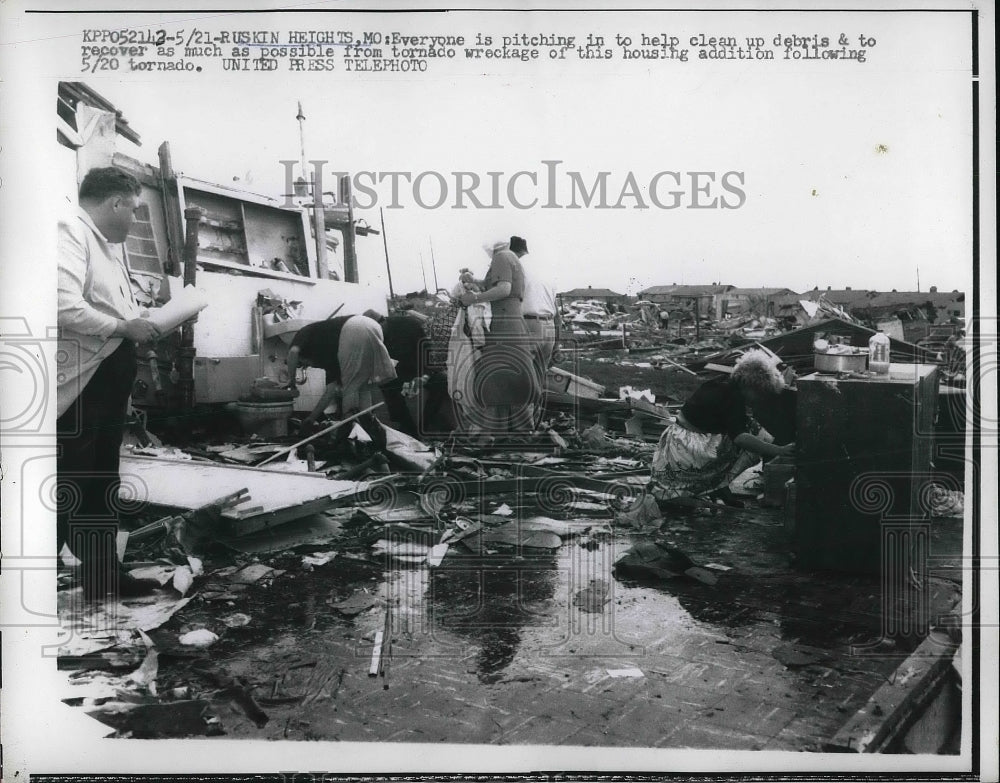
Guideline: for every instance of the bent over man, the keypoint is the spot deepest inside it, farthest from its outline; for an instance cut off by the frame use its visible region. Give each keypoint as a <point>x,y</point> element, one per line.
<point>350,351</point>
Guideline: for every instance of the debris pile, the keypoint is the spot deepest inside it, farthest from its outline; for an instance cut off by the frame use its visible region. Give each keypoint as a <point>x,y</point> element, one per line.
<point>304,531</point>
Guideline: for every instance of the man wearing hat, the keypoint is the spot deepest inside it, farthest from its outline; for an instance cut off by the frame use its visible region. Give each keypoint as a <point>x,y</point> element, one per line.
<point>541,316</point>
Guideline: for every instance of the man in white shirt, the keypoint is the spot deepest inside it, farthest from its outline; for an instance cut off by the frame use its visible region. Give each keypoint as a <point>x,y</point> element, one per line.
<point>538,307</point>
<point>99,325</point>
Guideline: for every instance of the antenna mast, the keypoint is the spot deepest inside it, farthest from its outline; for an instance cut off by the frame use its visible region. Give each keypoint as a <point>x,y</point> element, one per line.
<point>302,139</point>
<point>434,266</point>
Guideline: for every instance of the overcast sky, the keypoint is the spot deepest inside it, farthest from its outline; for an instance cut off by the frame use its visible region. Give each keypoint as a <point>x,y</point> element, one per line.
<point>854,174</point>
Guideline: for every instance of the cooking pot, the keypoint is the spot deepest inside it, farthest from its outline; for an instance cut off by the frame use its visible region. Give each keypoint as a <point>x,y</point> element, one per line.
<point>840,362</point>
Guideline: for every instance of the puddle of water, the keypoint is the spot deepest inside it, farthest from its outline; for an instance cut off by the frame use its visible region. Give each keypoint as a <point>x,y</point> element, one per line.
<point>511,609</point>
<point>531,615</point>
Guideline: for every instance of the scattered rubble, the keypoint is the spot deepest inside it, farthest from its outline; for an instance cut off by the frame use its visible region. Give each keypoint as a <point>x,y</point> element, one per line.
<point>323,554</point>
<point>233,527</point>
<point>199,638</point>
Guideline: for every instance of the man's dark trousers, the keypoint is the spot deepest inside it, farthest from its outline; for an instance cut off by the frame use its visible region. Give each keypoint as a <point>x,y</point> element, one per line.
<point>89,436</point>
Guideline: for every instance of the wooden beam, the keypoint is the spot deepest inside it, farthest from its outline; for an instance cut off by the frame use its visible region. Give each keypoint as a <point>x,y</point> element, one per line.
<point>281,496</point>
<point>895,706</point>
<point>719,368</point>
<point>376,663</point>
<point>324,431</point>
<point>171,211</point>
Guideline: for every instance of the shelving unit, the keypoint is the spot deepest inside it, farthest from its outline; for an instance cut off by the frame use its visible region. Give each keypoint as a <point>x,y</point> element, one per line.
<point>252,235</point>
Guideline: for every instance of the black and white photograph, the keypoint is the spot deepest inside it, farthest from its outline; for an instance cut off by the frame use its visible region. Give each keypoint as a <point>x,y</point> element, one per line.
<point>392,389</point>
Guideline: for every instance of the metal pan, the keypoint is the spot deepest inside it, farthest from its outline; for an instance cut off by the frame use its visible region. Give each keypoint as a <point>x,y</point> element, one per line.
<point>840,362</point>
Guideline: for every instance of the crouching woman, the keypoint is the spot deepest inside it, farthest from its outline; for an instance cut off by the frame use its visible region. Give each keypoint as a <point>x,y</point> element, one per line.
<point>712,442</point>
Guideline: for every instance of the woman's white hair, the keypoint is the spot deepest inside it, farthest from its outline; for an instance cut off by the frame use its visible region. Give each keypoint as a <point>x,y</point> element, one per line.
<point>496,245</point>
<point>758,370</point>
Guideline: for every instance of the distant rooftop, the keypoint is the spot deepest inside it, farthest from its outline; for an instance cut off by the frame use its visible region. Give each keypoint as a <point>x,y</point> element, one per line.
<point>686,290</point>
<point>761,291</point>
<point>862,297</point>
<point>584,293</point>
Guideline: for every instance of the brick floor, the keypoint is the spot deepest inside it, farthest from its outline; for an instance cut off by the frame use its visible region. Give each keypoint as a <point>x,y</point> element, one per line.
<point>542,730</point>
<point>707,735</point>
<point>761,718</point>
<point>537,673</point>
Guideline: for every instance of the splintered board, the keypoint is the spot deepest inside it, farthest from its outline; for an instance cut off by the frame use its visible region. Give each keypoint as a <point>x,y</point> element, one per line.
<point>276,497</point>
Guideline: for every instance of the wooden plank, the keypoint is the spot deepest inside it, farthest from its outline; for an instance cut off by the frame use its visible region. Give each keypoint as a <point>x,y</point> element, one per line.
<point>678,365</point>
<point>281,496</point>
<point>769,352</point>
<point>650,408</point>
<point>266,520</point>
<point>530,481</point>
<point>376,663</point>
<point>719,368</point>
<point>252,271</point>
<point>587,404</point>
<point>896,705</point>
<point>324,431</point>
<point>271,519</point>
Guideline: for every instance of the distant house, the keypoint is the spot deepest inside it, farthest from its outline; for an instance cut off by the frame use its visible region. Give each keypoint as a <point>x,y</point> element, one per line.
<point>933,306</point>
<point>759,301</point>
<point>936,306</point>
<point>659,294</point>
<point>847,298</point>
<point>711,301</point>
<point>603,295</point>
<point>916,312</point>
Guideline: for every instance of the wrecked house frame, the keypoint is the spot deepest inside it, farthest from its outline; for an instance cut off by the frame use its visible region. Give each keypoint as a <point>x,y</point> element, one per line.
<point>232,245</point>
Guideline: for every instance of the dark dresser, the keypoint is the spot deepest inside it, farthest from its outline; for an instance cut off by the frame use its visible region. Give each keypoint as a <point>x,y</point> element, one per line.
<point>864,449</point>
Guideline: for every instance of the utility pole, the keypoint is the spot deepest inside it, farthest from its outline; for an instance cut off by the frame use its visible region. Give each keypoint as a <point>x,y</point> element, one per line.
<point>434,266</point>
<point>350,239</point>
<point>319,229</point>
<point>385,247</point>
<point>319,218</point>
